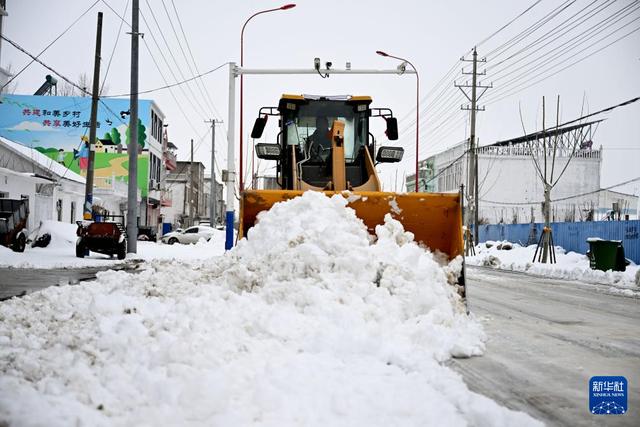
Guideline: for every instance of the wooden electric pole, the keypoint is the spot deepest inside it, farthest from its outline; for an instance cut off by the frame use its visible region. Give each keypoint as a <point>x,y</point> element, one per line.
<point>88,197</point>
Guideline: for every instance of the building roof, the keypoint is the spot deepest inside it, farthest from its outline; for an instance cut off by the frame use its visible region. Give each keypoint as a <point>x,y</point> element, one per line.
<point>538,135</point>
<point>30,154</point>
<point>34,177</point>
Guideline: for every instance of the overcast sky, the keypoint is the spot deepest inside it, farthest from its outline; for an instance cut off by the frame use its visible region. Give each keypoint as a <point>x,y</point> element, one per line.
<point>433,35</point>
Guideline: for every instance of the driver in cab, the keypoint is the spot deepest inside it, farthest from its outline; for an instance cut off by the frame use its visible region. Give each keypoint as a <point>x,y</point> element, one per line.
<point>319,140</point>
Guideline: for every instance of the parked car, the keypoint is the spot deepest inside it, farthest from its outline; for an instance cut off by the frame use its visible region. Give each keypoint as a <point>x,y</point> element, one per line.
<point>190,235</point>
<point>146,233</point>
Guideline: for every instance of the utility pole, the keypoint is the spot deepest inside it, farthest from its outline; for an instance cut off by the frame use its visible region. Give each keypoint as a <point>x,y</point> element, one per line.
<point>191,187</point>
<point>132,147</point>
<point>214,194</point>
<point>472,181</point>
<point>88,191</point>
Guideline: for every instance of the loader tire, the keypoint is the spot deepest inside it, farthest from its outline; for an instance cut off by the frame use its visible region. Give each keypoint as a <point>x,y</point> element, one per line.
<point>20,244</point>
<point>122,250</point>
<point>80,250</point>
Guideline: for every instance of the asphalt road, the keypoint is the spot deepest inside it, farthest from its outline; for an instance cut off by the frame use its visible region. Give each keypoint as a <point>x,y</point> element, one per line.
<point>20,281</point>
<point>546,339</point>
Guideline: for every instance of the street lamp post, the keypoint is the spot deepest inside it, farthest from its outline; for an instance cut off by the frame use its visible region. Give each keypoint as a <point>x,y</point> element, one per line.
<point>381,53</point>
<point>285,7</point>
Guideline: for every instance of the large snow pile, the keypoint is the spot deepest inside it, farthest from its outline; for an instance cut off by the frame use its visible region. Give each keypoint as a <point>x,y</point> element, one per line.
<point>307,322</point>
<point>569,265</point>
<point>61,252</point>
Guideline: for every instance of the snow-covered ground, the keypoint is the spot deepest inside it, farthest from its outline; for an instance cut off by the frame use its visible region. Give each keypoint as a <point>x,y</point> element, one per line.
<point>60,253</point>
<point>307,322</point>
<point>570,265</point>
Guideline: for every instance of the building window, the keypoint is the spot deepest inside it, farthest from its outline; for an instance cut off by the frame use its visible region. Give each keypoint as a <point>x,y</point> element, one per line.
<point>156,126</point>
<point>73,212</point>
<point>59,209</point>
<point>4,195</point>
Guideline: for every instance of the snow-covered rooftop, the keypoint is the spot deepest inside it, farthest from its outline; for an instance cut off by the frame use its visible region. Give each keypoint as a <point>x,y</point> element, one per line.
<point>58,170</point>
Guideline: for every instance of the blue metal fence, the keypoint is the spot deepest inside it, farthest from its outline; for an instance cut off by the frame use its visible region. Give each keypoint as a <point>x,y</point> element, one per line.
<point>570,235</point>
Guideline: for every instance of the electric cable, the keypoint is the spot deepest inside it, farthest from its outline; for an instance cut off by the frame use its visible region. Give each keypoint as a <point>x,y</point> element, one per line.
<point>34,59</point>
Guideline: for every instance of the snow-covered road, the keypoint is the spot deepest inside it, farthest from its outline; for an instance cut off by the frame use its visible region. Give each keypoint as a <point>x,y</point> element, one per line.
<point>546,338</point>
<point>308,322</point>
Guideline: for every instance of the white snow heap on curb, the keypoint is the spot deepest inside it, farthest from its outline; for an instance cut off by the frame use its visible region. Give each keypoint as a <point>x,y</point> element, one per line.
<point>569,265</point>
<point>307,322</point>
<point>61,252</point>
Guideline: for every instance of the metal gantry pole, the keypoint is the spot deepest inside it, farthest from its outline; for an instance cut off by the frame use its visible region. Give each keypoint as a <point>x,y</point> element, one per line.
<point>88,198</point>
<point>235,71</point>
<point>132,146</point>
<point>230,178</point>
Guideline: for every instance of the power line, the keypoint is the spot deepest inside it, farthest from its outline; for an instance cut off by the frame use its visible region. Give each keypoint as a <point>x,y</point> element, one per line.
<point>178,104</point>
<point>565,25</point>
<point>184,55</point>
<point>34,59</point>
<point>575,196</point>
<point>530,30</point>
<point>560,70</point>
<point>567,46</point>
<point>113,51</point>
<point>195,65</point>
<point>508,23</point>
<point>169,85</point>
<point>191,98</point>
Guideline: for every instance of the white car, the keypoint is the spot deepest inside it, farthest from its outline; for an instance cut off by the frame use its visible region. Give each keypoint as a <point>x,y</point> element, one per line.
<point>190,235</point>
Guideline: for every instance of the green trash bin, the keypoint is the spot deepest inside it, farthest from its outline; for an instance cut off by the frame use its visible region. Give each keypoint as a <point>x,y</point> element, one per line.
<point>606,254</point>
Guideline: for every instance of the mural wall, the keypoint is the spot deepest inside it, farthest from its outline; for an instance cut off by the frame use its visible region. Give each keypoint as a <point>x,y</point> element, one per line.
<point>58,126</point>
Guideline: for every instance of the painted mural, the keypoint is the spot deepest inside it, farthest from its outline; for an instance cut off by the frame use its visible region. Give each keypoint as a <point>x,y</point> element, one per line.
<point>58,126</point>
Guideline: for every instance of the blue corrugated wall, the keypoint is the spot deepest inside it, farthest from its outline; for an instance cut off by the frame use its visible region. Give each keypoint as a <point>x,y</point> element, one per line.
<point>570,235</point>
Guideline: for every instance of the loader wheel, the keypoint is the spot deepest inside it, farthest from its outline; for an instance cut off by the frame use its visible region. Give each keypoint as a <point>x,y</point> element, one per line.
<point>122,250</point>
<point>20,244</point>
<point>173,240</point>
<point>80,249</point>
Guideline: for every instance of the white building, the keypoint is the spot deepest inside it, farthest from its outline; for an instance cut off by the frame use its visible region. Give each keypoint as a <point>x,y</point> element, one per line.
<point>511,190</point>
<point>187,179</point>
<point>220,202</point>
<point>54,192</point>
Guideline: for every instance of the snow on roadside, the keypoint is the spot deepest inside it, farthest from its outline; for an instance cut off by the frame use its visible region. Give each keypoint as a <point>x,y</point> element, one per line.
<point>60,253</point>
<point>307,322</point>
<point>570,266</point>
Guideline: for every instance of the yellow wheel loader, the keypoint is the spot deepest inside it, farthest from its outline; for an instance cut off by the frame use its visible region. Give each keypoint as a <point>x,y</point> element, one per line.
<point>324,144</point>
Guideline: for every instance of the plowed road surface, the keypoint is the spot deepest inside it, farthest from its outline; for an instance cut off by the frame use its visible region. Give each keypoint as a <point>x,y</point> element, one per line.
<point>546,338</point>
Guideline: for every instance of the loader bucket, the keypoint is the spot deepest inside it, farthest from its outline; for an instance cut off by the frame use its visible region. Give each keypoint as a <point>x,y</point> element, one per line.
<point>434,218</point>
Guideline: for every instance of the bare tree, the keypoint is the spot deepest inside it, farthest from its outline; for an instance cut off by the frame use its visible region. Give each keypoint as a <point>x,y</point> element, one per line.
<point>547,148</point>
<point>11,87</point>
<point>66,89</point>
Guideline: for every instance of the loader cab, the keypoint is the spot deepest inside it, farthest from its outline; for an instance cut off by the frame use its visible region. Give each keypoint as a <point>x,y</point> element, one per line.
<point>321,136</point>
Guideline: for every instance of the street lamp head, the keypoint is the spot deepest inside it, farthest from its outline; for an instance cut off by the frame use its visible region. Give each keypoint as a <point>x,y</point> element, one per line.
<point>288,6</point>
<point>381,53</point>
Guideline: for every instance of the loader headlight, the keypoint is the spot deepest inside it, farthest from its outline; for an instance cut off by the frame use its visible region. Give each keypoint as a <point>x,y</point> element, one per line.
<point>389,154</point>
<point>268,151</point>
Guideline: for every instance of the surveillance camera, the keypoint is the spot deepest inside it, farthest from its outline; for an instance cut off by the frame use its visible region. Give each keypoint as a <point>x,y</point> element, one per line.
<point>316,63</point>
<point>329,64</point>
